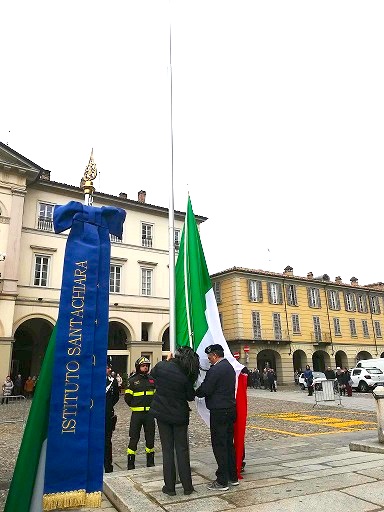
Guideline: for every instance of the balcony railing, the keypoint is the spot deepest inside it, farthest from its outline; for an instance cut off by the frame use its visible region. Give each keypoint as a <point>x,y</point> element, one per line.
<point>45,223</point>
<point>257,334</point>
<point>146,242</point>
<point>321,337</point>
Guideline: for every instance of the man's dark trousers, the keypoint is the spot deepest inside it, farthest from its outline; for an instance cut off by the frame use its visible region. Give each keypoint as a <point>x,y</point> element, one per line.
<point>139,419</point>
<point>221,425</point>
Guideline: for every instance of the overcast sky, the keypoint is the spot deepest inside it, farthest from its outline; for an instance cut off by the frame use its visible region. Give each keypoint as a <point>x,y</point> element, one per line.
<point>278,110</point>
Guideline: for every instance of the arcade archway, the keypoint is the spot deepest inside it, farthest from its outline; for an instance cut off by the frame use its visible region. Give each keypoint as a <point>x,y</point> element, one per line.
<point>299,359</point>
<point>165,340</point>
<point>341,359</point>
<point>320,360</point>
<point>363,355</point>
<point>118,337</point>
<point>31,341</point>
<point>269,359</point>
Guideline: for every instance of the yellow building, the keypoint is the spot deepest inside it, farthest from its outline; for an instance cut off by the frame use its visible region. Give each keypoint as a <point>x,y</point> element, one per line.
<point>289,321</point>
<point>31,263</point>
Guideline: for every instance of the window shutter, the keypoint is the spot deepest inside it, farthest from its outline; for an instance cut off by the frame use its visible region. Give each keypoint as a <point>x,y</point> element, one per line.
<point>280,293</point>
<point>250,290</point>
<point>365,304</point>
<point>329,294</point>
<point>269,293</point>
<point>318,298</point>
<point>309,298</point>
<point>345,301</point>
<point>259,291</point>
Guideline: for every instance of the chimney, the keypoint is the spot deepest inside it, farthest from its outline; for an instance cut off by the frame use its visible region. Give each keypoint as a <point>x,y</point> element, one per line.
<point>354,281</point>
<point>310,275</point>
<point>338,280</point>
<point>123,195</point>
<point>288,271</point>
<point>141,196</point>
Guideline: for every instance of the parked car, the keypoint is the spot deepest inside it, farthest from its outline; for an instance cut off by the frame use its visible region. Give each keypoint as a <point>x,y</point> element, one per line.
<point>366,379</point>
<point>317,378</point>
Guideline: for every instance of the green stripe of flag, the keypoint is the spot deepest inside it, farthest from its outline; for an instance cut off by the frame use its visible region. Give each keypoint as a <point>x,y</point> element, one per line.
<point>23,480</point>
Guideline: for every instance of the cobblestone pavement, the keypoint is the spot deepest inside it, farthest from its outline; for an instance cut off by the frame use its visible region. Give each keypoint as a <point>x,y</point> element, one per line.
<point>267,420</point>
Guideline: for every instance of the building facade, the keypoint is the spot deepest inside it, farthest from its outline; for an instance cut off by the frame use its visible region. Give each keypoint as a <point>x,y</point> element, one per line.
<point>31,262</point>
<point>287,321</point>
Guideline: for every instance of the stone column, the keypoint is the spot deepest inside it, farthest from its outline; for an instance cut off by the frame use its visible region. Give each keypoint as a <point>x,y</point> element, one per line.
<point>378,393</point>
<point>5,356</point>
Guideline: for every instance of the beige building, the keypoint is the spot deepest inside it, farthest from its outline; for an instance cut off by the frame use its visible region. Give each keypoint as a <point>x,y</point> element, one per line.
<point>31,261</point>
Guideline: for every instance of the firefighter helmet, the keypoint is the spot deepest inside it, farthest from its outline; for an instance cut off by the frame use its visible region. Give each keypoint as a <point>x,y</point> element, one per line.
<point>142,360</point>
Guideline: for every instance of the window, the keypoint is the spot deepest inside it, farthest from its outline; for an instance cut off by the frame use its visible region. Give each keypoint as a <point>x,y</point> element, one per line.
<point>352,326</point>
<point>365,328</point>
<point>349,299</point>
<point>291,295</point>
<point>255,290</point>
<point>277,326</point>
<point>317,328</point>
<point>41,270</point>
<point>378,329</point>
<point>275,293</point>
<point>146,235</point>
<point>295,324</point>
<point>333,300</point>
<point>256,325</point>
<point>362,304</point>
<point>177,238</point>
<point>336,326</point>
<point>115,279</point>
<point>146,281</point>
<point>217,291</point>
<point>45,217</point>
<point>374,303</point>
<point>314,298</point>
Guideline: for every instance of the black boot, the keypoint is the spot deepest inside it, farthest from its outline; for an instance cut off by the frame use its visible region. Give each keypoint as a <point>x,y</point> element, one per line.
<point>131,461</point>
<point>150,460</point>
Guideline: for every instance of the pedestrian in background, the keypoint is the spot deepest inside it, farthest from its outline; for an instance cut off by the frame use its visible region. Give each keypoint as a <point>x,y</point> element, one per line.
<point>174,379</point>
<point>218,388</point>
<point>28,387</point>
<point>308,377</point>
<point>18,385</point>
<point>7,389</point>
<point>271,375</point>
<point>119,381</point>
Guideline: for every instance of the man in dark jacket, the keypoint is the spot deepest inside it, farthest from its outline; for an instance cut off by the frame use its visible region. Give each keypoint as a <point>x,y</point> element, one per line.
<point>218,388</point>
<point>330,374</point>
<point>111,399</point>
<point>138,395</point>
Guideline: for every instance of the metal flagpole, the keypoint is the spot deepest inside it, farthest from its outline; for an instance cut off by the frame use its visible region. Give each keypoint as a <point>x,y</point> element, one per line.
<point>171,227</point>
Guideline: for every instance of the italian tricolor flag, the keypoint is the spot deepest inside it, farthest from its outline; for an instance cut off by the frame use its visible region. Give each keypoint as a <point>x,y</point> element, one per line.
<point>27,486</point>
<point>197,316</point>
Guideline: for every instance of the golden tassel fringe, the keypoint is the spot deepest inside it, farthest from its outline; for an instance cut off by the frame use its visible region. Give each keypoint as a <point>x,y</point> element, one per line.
<point>71,499</point>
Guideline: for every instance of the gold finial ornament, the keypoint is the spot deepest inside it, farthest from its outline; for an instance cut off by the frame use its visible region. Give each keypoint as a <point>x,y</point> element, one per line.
<point>90,174</point>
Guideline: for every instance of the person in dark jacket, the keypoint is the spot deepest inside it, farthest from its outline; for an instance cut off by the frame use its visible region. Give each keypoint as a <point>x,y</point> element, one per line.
<point>218,388</point>
<point>271,379</point>
<point>174,380</point>
<point>111,399</point>
<point>330,374</point>
<point>139,395</point>
<point>308,376</point>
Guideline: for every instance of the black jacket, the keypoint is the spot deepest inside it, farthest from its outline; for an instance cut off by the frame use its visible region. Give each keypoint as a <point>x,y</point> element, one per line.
<point>111,396</point>
<point>139,392</point>
<point>173,391</point>
<point>218,386</point>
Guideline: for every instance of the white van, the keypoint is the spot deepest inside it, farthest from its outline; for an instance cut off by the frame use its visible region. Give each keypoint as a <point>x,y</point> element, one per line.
<point>371,363</point>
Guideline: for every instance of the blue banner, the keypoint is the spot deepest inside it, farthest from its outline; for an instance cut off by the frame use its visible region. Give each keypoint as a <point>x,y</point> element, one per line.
<point>75,446</point>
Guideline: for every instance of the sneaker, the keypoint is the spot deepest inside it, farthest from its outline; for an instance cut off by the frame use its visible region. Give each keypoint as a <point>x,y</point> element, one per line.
<point>215,486</point>
<point>234,482</point>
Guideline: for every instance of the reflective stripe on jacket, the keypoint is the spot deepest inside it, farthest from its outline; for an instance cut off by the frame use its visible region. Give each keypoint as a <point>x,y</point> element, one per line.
<point>139,392</point>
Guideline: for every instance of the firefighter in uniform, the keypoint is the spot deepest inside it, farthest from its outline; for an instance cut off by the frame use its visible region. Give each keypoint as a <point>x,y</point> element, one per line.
<point>138,395</point>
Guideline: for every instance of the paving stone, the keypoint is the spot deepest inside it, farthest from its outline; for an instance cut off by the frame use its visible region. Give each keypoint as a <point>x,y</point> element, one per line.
<point>372,492</point>
<point>332,458</point>
<point>374,473</point>
<point>356,460</point>
<point>329,501</point>
<point>122,492</point>
<point>281,491</point>
<point>201,505</point>
<point>158,484</point>
<point>336,471</point>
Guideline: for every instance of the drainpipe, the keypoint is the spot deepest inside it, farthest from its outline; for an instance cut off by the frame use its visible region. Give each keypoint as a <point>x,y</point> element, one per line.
<point>373,325</point>
<point>329,320</point>
<point>286,318</point>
